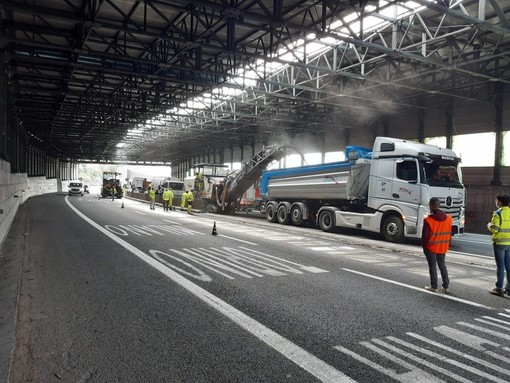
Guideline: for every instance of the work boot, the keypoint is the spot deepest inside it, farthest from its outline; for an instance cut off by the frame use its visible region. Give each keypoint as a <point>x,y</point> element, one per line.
<point>432,289</point>
<point>497,291</point>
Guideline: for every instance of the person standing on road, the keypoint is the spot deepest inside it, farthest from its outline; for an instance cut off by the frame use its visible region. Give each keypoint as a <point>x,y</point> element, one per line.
<point>184,198</point>
<point>171,199</point>
<point>499,226</point>
<point>114,192</point>
<point>435,240</point>
<point>152,198</point>
<point>166,199</point>
<point>190,201</point>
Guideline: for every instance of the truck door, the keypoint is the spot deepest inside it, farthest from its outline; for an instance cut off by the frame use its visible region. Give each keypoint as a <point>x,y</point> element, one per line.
<point>406,187</point>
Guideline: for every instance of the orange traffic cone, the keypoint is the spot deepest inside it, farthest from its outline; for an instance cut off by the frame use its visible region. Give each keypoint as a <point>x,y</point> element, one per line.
<point>214,229</point>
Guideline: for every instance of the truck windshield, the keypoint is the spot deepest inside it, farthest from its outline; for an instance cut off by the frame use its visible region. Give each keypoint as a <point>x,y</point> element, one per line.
<point>213,170</point>
<point>442,173</point>
<point>175,185</point>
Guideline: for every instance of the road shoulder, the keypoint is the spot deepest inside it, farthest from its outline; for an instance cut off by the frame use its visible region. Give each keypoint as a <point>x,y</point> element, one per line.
<point>11,255</point>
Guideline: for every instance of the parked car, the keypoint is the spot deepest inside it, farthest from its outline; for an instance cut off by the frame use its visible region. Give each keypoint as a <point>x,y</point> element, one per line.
<point>76,188</point>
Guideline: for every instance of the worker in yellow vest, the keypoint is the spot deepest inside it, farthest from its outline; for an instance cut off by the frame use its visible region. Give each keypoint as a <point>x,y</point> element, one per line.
<point>184,199</point>
<point>190,200</point>
<point>152,198</point>
<point>171,199</point>
<point>166,199</point>
<point>499,226</point>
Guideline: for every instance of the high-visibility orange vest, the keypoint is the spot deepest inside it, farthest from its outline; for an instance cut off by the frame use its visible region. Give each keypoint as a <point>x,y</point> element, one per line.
<point>440,235</point>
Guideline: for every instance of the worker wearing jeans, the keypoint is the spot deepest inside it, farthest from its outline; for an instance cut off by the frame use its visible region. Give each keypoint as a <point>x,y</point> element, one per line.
<point>152,198</point>
<point>499,226</point>
<point>435,239</point>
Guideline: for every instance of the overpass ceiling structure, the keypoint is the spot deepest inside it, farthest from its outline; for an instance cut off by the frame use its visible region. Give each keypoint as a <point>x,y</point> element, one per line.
<point>162,80</point>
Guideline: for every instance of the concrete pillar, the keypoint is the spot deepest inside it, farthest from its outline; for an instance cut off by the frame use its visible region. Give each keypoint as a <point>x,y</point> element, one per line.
<point>498,104</point>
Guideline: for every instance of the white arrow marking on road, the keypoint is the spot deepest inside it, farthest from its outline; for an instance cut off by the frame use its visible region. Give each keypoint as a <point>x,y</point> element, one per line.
<point>315,366</point>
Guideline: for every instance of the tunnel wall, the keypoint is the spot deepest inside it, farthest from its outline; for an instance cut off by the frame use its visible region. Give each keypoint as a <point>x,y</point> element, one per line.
<point>15,189</point>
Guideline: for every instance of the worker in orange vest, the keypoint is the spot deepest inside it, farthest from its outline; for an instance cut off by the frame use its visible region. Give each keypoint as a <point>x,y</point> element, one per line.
<point>435,240</point>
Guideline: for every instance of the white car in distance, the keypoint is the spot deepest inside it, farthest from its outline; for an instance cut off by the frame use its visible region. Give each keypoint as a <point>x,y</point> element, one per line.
<point>76,188</point>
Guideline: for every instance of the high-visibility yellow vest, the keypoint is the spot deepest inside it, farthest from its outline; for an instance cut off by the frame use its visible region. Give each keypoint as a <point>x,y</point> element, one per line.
<point>500,226</point>
<point>168,195</point>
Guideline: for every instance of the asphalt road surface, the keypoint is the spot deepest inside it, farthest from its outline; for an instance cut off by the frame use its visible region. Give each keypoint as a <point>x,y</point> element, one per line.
<point>126,294</point>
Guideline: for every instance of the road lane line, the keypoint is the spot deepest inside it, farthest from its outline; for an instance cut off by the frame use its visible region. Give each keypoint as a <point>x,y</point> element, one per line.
<point>420,289</point>
<point>315,366</point>
<point>173,222</point>
<point>237,239</point>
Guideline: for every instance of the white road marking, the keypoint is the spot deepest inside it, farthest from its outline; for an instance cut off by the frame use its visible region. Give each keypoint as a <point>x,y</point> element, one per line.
<point>406,377</point>
<point>175,223</point>
<point>478,242</point>
<point>398,352</point>
<point>139,212</point>
<point>472,341</point>
<point>493,324</point>
<point>497,320</point>
<point>299,266</point>
<point>422,290</point>
<point>416,359</point>
<point>212,264</point>
<point>237,239</point>
<point>315,366</point>
<point>230,260</point>
<point>448,360</point>
<point>487,331</point>
<point>444,359</point>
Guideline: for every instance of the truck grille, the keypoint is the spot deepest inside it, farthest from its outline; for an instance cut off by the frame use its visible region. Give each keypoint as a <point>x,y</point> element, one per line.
<point>453,209</point>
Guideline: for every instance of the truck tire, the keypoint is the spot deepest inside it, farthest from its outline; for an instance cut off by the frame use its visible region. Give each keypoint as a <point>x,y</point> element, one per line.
<point>283,215</point>
<point>327,220</point>
<point>271,214</point>
<point>296,215</point>
<point>393,229</point>
<point>262,207</point>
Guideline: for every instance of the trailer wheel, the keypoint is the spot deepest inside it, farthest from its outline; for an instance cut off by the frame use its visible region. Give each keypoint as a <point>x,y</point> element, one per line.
<point>271,215</point>
<point>283,215</point>
<point>326,221</point>
<point>393,229</point>
<point>296,215</point>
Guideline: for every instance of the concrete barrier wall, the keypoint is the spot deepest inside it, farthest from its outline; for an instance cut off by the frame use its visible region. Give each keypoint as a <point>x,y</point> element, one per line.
<point>480,206</point>
<point>15,189</point>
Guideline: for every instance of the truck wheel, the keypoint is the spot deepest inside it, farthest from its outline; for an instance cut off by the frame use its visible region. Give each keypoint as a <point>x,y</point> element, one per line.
<point>296,215</point>
<point>271,215</point>
<point>393,229</point>
<point>262,207</point>
<point>326,221</point>
<point>283,215</point>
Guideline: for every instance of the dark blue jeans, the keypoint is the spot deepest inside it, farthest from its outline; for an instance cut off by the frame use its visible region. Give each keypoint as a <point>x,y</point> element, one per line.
<point>502,255</point>
<point>437,260</point>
